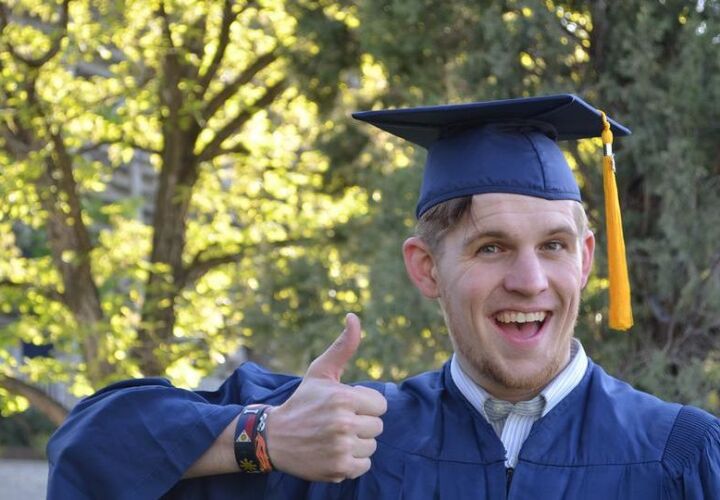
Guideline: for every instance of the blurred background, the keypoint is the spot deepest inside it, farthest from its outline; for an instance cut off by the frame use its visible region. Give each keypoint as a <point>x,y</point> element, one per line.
<point>182,187</point>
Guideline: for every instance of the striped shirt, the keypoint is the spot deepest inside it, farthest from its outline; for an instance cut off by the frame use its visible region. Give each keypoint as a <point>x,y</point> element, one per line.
<point>515,429</point>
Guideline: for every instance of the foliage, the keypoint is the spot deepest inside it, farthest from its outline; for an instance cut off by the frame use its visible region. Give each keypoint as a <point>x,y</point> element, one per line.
<point>216,96</point>
<point>274,215</point>
<point>653,65</point>
<point>26,430</point>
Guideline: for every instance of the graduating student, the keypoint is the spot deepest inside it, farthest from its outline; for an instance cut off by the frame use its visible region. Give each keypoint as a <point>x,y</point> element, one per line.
<point>518,412</point>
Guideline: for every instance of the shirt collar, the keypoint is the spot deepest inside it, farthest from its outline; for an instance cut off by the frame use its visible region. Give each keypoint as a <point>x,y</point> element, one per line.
<point>554,392</point>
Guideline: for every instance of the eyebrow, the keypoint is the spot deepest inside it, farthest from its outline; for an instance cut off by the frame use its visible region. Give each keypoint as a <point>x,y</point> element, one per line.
<point>500,234</point>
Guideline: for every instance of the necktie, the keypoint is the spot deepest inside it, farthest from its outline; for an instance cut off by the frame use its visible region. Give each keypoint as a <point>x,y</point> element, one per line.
<point>498,410</point>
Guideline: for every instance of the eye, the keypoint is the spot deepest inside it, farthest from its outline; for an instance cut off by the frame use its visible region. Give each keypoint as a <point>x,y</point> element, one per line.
<point>489,249</point>
<point>554,246</point>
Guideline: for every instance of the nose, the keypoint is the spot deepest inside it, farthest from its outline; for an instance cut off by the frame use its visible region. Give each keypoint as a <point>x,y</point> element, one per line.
<point>526,275</point>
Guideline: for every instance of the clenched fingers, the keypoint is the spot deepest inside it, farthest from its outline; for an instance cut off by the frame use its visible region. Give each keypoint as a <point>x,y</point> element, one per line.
<point>367,427</point>
<point>364,448</point>
<point>357,468</point>
<point>368,401</point>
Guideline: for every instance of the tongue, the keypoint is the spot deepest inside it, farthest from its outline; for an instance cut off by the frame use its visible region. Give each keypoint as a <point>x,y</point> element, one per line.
<point>524,330</point>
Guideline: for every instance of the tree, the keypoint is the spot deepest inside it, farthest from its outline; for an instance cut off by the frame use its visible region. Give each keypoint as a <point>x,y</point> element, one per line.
<point>274,216</point>
<point>659,64</point>
<point>217,97</point>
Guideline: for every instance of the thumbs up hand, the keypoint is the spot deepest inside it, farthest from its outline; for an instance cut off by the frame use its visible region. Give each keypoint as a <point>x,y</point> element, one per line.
<point>326,430</point>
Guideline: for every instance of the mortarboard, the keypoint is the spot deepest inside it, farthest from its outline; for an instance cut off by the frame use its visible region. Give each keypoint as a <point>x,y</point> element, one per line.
<point>510,146</point>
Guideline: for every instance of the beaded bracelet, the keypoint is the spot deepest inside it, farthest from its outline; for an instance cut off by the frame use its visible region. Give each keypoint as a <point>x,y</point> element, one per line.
<point>251,451</point>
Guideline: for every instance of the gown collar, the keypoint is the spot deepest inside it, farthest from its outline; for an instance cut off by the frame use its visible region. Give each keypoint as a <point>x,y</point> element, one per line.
<point>554,392</point>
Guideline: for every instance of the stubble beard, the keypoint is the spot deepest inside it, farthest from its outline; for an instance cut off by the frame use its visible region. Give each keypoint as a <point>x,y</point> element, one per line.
<point>502,376</point>
<point>490,368</point>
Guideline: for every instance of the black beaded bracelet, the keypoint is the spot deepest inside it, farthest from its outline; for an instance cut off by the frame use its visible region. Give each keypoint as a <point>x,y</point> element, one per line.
<point>251,451</point>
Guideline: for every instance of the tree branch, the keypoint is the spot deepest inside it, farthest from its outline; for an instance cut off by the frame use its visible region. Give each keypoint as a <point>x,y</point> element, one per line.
<point>214,148</point>
<point>701,296</point>
<point>18,147</point>
<point>48,406</point>
<point>54,47</point>
<point>46,292</point>
<point>88,148</point>
<point>696,314</point>
<point>194,39</point>
<point>165,25</point>
<point>223,41</point>
<point>231,88</point>
<point>64,165</point>
<point>200,266</point>
<point>237,148</point>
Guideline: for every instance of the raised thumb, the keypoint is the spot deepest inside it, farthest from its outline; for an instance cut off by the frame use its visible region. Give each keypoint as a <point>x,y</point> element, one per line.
<point>331,363</point>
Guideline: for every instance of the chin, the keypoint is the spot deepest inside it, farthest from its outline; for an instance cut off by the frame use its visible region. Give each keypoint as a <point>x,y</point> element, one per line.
<point>530,378</point>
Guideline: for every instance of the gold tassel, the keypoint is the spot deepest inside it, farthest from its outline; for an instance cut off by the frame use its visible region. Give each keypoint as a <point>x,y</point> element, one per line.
<point>620,309</point>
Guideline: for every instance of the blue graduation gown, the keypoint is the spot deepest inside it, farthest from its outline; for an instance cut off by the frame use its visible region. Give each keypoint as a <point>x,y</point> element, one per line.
<point>605,440</point>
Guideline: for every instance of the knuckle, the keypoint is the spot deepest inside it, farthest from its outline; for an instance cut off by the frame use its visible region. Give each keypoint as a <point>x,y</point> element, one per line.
<point>347,466</point>
<point>375,400</point>
<point>340,399</point>
<point>341,425</point>
<point>333,476</point>
<point>336,471</point>
<point>342,448</point>
<point>361,467</point>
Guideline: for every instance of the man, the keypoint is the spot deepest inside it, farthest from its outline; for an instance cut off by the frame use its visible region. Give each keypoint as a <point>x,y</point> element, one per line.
<point>518,412</point>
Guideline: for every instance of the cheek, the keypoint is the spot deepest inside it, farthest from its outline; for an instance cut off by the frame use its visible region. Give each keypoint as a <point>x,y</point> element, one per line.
<point>477,283</point>
<point>464,294</point>
<point>567,276</point>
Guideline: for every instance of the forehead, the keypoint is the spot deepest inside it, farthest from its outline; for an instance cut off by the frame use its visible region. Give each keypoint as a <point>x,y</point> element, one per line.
<point>518,211</point>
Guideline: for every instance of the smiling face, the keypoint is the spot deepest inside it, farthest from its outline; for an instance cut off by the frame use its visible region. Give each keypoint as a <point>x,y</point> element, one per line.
<point>508,277</point>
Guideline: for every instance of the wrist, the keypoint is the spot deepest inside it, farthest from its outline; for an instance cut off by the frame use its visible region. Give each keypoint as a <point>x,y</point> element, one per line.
<point>250,440</point>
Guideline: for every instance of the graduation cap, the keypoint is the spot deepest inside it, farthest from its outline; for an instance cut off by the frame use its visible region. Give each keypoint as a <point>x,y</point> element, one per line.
<point>510,146</point>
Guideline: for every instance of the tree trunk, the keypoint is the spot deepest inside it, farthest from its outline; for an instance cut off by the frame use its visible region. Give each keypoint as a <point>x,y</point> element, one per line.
<point>172,200</point>
<point>70,246</point>
<point>169,224</point>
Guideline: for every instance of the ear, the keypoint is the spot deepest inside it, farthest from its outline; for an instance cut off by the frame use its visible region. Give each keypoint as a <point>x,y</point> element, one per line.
<point>588,253</point>
<point>420,266</point>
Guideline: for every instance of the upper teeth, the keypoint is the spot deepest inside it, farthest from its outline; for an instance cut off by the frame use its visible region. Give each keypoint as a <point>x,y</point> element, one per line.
<point>520,317</point>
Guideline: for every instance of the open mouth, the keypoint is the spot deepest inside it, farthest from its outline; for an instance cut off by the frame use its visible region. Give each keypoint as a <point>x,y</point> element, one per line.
<point>521,325</point>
